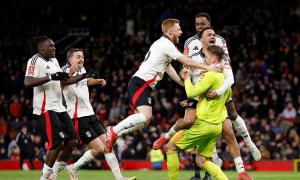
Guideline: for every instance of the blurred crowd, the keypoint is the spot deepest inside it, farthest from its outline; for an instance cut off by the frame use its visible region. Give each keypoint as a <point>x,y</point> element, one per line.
<point>264,45</point>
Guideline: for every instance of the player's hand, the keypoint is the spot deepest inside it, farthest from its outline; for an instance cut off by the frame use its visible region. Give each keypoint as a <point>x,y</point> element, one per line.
<point>185,73</point>
<point>211,94</point>
<point>73,69</point>
<point>184,103</point>
<point>102,82</point>
<point>215,67</point>
<point>58,76</point>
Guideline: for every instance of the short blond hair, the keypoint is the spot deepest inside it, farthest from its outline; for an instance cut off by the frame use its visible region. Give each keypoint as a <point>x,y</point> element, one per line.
<point>168,23</point>
<point>72,51</point>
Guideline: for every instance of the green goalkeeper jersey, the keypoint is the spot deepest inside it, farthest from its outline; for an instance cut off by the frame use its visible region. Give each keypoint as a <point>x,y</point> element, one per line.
<point>211,111</point>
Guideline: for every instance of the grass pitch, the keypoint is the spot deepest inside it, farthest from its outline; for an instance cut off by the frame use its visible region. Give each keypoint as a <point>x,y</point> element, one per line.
<point>142,175</point>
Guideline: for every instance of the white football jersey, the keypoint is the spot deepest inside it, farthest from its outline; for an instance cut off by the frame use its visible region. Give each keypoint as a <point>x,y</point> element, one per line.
<point>193,45</point>
<point>77,96</point>
<point>197,74</point>
<point>47,96</point>
<point>159,56</point>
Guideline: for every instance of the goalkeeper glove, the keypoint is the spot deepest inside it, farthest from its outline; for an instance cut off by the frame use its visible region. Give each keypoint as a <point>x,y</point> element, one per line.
<point>58,76</point>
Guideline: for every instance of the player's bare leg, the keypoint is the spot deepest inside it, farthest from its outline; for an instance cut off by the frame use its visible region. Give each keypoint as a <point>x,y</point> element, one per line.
<point>241,128</point>
<point>132,123</point>
<point>96,147</point>
<point>234,149</point>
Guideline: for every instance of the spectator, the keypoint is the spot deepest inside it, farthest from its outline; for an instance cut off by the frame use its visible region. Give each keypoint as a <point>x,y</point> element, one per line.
<point>26,147</point>
<point>156,158</point>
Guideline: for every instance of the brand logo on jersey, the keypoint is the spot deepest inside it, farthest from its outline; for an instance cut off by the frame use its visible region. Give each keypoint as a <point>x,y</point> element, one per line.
<point>47,67</point>
<point>30,69</point>
<point>88,134</point>
<point>195,48</point>
<point>149,100</point>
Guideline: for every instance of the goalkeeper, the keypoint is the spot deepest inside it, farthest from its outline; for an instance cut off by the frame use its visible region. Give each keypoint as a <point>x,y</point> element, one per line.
<point>208,125</point>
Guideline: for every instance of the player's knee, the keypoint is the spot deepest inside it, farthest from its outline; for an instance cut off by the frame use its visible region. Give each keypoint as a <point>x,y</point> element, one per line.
<point>148,117</point>
<point>200,160</point>
<point>72,143</point>
<point>232,115</point>
<point>170,146</point>
<point>99,150</point>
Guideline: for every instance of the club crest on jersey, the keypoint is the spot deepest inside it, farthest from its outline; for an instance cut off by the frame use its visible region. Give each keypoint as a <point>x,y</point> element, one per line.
<point>149,100</point>
<point>31,70</point>
<point>62,135</point>
<point>186,51</point>
<point>47,67</point>
<point>88,134</point>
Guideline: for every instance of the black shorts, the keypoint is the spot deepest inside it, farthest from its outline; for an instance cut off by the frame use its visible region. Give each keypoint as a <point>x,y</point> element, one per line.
<point>88,128</point>
<point>192,103</point>
<point>139,92</point>
<point>57,127</point>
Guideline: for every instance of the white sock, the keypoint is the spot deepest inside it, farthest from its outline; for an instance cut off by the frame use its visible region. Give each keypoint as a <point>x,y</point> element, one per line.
<point>131,129</point>
<point>216,159</point>
<point>170,133</point>
<point>239,165</point>
<point>83,160</point>
<point>215,154</point>
<point>130,121</point>
<point>47,171</point>
<point>241,128</point>
<point>58,166</point>
<point>113,164</point>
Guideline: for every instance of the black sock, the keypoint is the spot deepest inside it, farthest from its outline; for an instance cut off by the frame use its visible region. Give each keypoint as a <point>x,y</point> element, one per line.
<point>196,168</point>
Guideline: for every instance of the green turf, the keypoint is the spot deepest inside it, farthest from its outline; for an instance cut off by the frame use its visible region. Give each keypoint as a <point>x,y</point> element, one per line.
<point>142,175</point>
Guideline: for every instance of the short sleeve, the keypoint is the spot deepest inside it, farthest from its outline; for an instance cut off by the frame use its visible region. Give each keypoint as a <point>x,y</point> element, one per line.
<point>187,48</point>
<point>33,67</point>
<point>172,51</point>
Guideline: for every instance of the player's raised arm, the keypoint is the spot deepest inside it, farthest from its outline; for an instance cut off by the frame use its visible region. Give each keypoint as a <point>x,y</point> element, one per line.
<point>173,75</point>
<point>194,64</point>
<point>33,82</point>
<point>93,82</point>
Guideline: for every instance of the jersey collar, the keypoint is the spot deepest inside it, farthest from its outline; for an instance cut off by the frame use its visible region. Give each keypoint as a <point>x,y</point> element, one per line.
<point>43,57</point>
<point>165,36</point>
<point>201,53</point>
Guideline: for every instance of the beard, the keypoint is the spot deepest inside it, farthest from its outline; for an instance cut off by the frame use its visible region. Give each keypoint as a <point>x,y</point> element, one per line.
<point>175,39</point>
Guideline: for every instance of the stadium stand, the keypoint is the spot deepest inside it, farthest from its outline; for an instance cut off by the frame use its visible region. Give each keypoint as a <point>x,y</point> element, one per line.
<point>264,45</point>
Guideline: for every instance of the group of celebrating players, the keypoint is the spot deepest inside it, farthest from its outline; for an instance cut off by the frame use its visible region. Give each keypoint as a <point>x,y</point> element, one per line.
<point>206,76</point>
